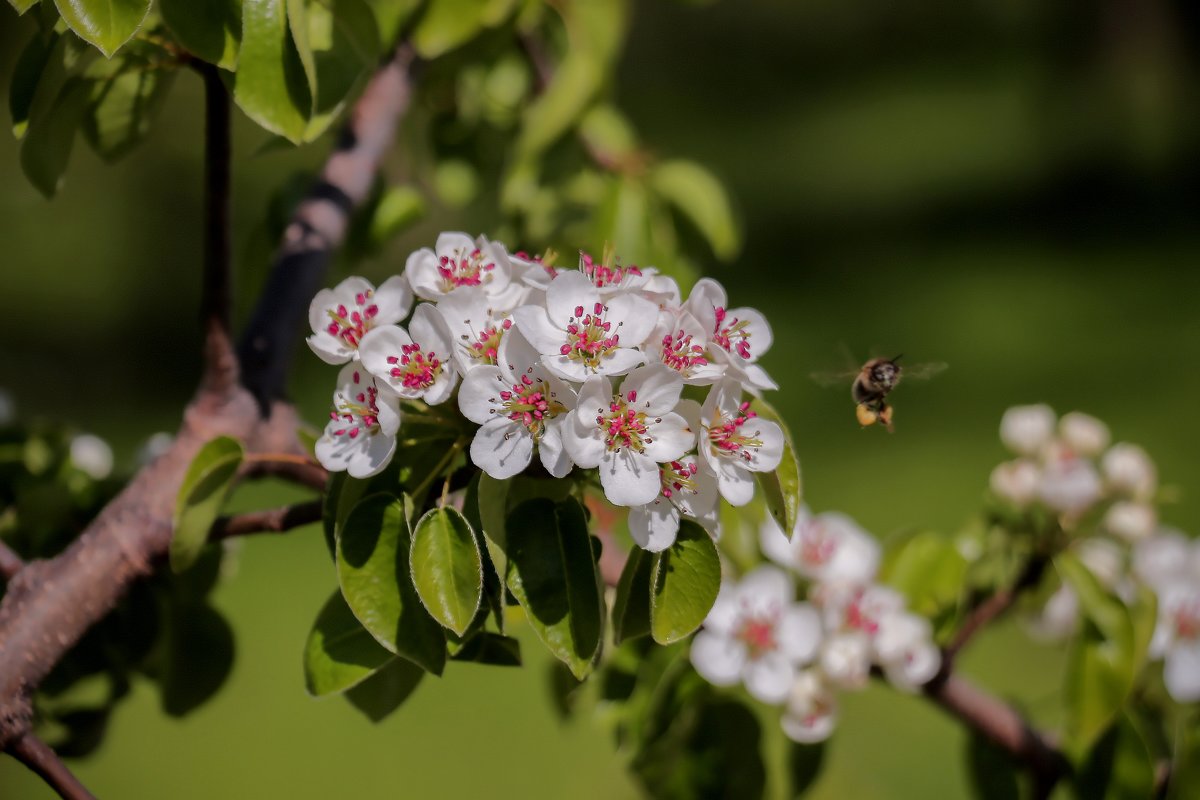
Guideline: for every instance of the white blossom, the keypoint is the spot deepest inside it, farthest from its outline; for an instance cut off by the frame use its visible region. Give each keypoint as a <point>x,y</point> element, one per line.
<point>756,634</point>
<point>1084,434</point>
<point>904,648</point>
<point>92,456</point>
<point>680,342</point>
<point>476,324</point>
<point>739,336</point>
<point>686,490</point>
<point>360,437</point>
<point>1026,429</point>
<point>735,442</point>
<point>1069,485</point>
<point>415,363</point>
<point>1127,469</point>
<point>1016,481</point>
<point>1130,520</point>
<point>811,710</point>
<point>846,659</point>
<point>340,317</point>
<point>1176,639</point>
<point>829,548</point>
<point>456,261</point>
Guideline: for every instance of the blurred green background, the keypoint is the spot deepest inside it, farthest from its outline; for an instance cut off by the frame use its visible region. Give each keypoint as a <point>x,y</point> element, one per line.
<point>1010,187</point>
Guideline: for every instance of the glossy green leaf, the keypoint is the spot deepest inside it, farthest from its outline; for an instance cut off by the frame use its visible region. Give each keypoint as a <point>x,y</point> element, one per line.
<point>447,568</point>
<point>685,579</point>
<point>209,29</point>
<point>107,24</point>
<point>398,209</point>
<point>199,656</point>
<point>804,765</point>
<point>386,690</point>
<point>269,84</point>
<point>46,148</point>
<point>390,16</point>
<point>447,24</point>
<point>1119,766</point>
<point>339,653</point>
<point>607,132</point>
<point>553,576</point>
<point>126,95</point>
<point>203,493</point>
<point>993,773</point>
<point>929,570</point>
<point>342,41</point>
<point>373,570</point>
<point>781,487</point>
<point>631,608</point>
<point>490,648</point>
<point>28,74</point>
<point>1102,659</point>
<point>493,574</point>
<point>701,198</point>
<point>23,5</point>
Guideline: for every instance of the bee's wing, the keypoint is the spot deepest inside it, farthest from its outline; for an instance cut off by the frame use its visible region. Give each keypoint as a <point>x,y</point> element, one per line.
<point>924,371</point>
<point>827,379</point>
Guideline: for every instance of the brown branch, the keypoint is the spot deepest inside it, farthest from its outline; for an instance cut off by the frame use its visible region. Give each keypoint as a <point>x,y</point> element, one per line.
<point>1002,725</point>
<point>41,759</point>
<point>996,605</point>
<point>318,226</point>
<point>274,520</point>
<point>10,562</point>
<point>297,469</point>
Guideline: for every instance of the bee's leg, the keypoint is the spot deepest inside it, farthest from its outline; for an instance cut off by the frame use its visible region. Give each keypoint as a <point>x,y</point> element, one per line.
<point>866,416</point>
<point>885,416</point>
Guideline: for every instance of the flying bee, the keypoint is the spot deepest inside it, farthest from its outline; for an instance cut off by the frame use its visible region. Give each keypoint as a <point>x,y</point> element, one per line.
<point>873,382</point>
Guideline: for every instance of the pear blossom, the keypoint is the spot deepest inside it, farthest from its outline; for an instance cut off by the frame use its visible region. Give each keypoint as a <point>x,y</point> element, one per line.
<point>476,326</point>
<point>845,659</point>
<point>829,548</point>
<point>628,434</point>
<point>579,336</point>
<point>686,490</point>
<point>340,317</point>
<point>456,261</point>
<point>518,405</point>
<point>92,456</point>
<point>734,442</point>
<point>811,710</point>
<point>611,278</point>
<point>681,342</point>
<point>1176,638</point>
<point>1084,434</point>
<point>535,272</point>
<point>904,648</point>
<point>1166,556</point>
<point>1069,484</point>
<point>739,336</point>
<point>360,437</point>
<point>1130,520</point>
<point>1026,429</point>
<point>1127,469</point>
<point>758,635</point>
<point>414,364</point>
<point>1016,481</point>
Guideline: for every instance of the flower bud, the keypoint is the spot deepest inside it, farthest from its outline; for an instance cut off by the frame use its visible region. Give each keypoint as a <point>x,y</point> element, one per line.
<point>1084,434</point>
<point>1026,429</point>
<point>1070,485</point>
<point>1016,481</point>
<point>811,709</point>
<point>1129,470</point>
<point>92,455</point>
<point>1131,521</point>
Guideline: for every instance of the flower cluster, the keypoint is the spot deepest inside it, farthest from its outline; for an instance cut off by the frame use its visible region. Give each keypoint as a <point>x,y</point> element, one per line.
<point>800,654</point>
<point>586,367</point>
<point>1068,466</point>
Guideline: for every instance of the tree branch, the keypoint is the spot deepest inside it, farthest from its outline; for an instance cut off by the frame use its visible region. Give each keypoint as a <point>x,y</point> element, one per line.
<point>297,469</point>
<point>996,605</point>
<point>10,562</point>
<point>318,226</point>
<point>274,520</point>
<point>41,759</point>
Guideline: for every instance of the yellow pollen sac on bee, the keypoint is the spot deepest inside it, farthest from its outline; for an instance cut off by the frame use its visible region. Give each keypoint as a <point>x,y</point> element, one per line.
<point>865,415</point>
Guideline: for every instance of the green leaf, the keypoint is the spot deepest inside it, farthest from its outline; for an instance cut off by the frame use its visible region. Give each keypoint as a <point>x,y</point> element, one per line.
<point>1185,764</point>
<point>386,690</point>
<point>1119,766</point>
<point>126,95</point>
<point>493,574</point>
<point>373,570</point>
<point>107,24</point>
<point>447,24</point>
<point>46,148</point>
<point>701,198</point>
<point>686,578</point>
<point>339,653</point>
<point>553,576</point>
<point>337,43</point>
<point>199,656</point>
<point>1101,662</point>
<point>202,494</point>
<point>27,76</point>
<point>269,84</point>
<point>209,29</point>
<point>398,209</point>
<point>993,772</point>
<point>23,5</point>
<point>390,16</point>
<point>631,608</point>
<point>804,765</point>
<point>447,568</point>
<point>928,570</point>
<point>490,648</point>
<point>782,486</point>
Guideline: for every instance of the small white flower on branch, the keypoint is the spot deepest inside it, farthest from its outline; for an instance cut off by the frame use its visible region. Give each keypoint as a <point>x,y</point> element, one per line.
<point>340,317</point>
<point>360,437</point>
<point>415,364</point>
<point>1027,429</point>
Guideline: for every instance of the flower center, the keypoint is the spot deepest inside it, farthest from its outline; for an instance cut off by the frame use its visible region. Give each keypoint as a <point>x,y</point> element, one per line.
<point>677,477</point>
<point>464,269</point>
<point>530,402</point>
<point>732,333</point>
<point>414,369</point>
<point>816,546</point>
<point>681,354</point>
<point>590,337</point>
<point>359,412</point>
<point>729,439</point>
<point>622,426</point>
<point>351,325</point>
<point>861,617</point>
<point>1186,618</point>
<point>484,344</point>
<point>758,634</point>
<point>602,275</point>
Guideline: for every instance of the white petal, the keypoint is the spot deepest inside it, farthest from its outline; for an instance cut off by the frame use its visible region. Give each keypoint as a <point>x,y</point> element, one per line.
<point>421,271</point>
<point>567,293</point>
<point>769,677</point>
<point>628,478</point>
<point>765,591</point>
<point>377,347</point>
<point>517,355</point>
<point>552,451</point>
<point>725,613</point>
<point>373,457</point>
<point>775,544</point>
<point>766,457</point>
<point>736,485</point>
<point>618,362</point>
<point>634,318</point>
<point>502,448</point>
<point>672,438</point>
<point>443,386</point>
<point>1181,672</point>
<point>544,337</point>
<point>394,298</point>
<point>718,659</point>
<point>799,632</point>
<point>478,399</point>
<point>654,526</point>
<point>656,386</point>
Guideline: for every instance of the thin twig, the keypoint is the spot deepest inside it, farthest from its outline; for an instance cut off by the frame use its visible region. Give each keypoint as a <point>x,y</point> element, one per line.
<point>274,520</point>
<point>10,562</point>
<point>41,759</point>
<point>317,228</point>
<point>996,605</point>
<point>295,468</point>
